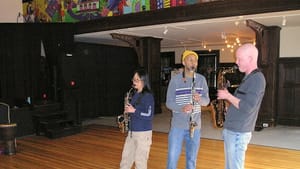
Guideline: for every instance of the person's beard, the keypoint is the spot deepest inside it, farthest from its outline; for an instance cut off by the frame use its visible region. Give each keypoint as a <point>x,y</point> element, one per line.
<point>191,69</point>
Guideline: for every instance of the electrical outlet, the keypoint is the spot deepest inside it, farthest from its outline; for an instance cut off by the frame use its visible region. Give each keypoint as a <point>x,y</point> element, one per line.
<point>265,125</point>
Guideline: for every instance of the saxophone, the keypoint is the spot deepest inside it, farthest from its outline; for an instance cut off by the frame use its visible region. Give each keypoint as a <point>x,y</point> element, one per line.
<point>124,119</point>
<point>219,107</point>
<point>193,123</point>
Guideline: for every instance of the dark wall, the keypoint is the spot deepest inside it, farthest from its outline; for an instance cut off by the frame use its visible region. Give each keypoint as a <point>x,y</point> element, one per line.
<point>23,71</point>
<point>19,60</point>
<point>102,74</point>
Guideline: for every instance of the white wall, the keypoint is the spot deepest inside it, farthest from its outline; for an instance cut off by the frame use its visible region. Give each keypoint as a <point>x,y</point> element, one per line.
<point>289,46</point>
<point>290,42</point>
<point>9,10</point>
<point>226,56</point>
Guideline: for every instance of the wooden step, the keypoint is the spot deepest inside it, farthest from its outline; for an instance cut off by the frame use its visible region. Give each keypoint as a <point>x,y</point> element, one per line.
<point>40,119</point>
<point>62,132</point>
<point>49,115</point>
<point>44,126</point>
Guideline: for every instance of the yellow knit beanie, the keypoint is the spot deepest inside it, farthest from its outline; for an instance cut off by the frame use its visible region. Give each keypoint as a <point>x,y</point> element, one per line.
<point>187,53</point>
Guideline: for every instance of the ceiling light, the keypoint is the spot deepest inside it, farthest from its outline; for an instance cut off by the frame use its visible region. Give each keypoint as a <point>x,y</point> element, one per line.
<point>283,21</point>
<point>236,23</point>
<point>166,30</point>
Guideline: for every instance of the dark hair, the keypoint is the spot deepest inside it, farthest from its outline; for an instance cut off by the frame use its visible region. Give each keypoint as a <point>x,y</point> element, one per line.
<point>142,73</point>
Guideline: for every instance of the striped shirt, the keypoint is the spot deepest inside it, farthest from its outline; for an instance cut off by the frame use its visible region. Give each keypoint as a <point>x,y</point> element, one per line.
<point>180,93</point>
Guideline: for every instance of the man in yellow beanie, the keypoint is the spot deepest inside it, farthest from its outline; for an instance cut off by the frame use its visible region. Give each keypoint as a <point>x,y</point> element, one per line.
<point>187,53</point>
<point>187,92</point>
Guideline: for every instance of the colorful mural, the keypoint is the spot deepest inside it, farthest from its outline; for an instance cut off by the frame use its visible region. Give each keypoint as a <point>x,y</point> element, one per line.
<point>82,10</point>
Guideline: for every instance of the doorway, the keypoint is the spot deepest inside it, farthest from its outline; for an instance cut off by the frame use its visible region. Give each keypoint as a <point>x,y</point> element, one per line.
<point>208,63</point>
<point>167,65</point>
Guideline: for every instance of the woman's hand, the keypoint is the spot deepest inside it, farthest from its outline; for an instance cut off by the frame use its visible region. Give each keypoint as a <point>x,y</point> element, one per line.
<point>129,108</point>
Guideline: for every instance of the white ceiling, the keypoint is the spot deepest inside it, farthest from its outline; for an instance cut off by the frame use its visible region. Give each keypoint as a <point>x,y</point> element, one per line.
<point>210,32</point>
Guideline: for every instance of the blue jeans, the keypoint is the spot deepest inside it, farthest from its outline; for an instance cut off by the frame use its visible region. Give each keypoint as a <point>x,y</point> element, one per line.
<point>235,146</point>
<point>175,142</point>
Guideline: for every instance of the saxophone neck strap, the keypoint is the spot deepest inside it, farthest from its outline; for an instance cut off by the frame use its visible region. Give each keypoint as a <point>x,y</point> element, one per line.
<point>251,74</point>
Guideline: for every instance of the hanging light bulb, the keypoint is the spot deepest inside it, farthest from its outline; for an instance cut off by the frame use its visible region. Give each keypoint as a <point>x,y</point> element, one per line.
<point>223,35</point>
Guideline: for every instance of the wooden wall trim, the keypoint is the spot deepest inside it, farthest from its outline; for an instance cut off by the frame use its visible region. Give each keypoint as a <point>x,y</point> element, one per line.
<point>295,60</point>
<point>215,9</point>
<point>288,92</point>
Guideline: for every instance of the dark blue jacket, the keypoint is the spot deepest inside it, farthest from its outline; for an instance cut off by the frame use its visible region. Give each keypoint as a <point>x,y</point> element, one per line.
<point>141,119</point>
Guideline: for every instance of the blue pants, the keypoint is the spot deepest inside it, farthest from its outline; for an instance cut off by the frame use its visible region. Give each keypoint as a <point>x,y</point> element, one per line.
<point>176,138</point>
<point>235,146</point>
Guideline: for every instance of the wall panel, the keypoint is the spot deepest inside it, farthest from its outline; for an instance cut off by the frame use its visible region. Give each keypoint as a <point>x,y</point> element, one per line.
<point>289,92</point>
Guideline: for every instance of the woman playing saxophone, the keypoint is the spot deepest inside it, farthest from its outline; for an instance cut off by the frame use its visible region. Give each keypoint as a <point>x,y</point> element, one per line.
<point>140,111</point>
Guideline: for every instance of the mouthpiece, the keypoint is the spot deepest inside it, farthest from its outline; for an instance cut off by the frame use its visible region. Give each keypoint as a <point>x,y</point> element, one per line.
<point>235,67</point>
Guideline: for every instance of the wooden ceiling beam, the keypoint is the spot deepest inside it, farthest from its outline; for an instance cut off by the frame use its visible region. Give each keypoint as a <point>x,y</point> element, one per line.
<point>208,10</point>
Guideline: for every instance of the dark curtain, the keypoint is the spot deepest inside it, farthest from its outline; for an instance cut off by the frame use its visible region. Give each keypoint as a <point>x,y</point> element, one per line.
<point>19,55</point>
<point>103,74</point>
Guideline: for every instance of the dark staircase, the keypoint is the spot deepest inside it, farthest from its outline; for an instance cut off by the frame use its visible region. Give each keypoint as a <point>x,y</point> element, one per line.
<point>55,124</point>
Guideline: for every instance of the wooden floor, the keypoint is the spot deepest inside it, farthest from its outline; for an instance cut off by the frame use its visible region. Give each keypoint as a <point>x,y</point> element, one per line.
<point>100,147</point>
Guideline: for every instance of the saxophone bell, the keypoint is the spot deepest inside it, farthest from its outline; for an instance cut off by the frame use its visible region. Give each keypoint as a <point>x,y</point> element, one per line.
<point>124,119</point>
<point>120,122</point>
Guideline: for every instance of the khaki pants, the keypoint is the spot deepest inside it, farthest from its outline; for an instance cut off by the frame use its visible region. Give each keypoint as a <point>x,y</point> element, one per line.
<point>136,149</point>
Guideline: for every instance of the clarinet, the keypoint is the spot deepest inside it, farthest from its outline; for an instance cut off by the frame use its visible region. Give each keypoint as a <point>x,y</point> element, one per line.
<point>124,119</point>
<point>193,123</point>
